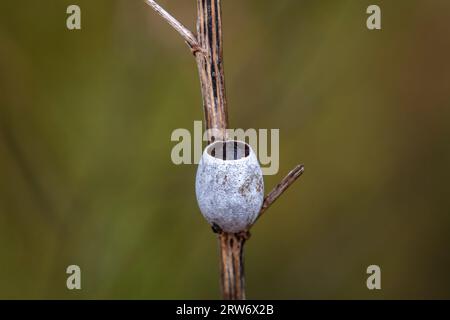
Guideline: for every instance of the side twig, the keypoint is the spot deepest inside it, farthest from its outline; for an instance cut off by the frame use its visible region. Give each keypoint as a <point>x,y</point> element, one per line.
<point>187,35</point>
<point>281,187</point>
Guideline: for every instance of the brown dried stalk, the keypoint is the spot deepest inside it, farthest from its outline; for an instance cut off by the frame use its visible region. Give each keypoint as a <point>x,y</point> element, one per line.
<point>207,49</point>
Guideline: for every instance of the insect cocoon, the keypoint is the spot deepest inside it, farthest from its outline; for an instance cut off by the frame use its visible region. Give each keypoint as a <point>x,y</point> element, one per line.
<point>229,185</point>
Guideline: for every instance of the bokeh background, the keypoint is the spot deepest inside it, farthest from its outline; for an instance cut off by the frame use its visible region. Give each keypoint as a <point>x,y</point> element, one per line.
<point>85,170</point>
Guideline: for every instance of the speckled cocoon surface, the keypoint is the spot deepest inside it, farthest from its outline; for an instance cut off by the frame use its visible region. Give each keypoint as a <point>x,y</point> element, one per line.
<point>229,192</point>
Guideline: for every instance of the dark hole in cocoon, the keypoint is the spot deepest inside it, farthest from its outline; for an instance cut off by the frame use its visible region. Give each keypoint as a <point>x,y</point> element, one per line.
<point>229,150</point>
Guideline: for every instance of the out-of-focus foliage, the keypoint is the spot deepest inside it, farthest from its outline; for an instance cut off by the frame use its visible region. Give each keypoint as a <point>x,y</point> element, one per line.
<point>85,171</point>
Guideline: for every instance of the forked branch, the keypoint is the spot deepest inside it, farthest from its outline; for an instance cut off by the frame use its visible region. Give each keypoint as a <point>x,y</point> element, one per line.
<point>207,48</point>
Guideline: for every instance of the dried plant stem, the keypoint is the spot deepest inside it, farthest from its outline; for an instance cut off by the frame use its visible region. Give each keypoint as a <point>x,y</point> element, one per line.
<point>210,66</point>
<point>232,265</point>
<point>208,52</point>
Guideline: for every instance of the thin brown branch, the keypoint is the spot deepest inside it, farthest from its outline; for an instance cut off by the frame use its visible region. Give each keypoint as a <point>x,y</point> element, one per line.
<point>232,265</point>
<point>281,187</point>
<point>207,48</point>
<point>212,81</point>
<point>187,35</point>
<point>211,69</point>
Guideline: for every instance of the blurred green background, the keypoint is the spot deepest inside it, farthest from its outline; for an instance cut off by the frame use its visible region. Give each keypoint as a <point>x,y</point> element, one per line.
<point>85,170</point>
